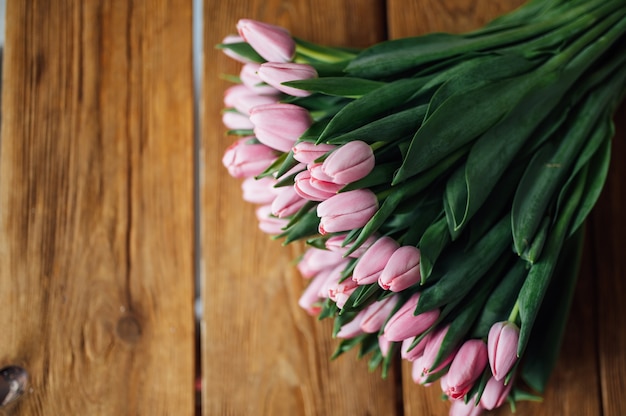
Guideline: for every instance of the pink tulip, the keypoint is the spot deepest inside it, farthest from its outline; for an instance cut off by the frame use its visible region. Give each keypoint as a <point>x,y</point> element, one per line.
<point>244,99</point>
<point>309,300</point>
<point>287,202</point>
<point>267,223</point>
<point>349,163</point>
<point>384,344</point>
<point>351,329</point>
<point>495,393</point>
<point>259,191</point>
<point>273,43</point>
<point>307,152</point>
<point>346,211</point>
<point>302,185</point>
<point>431,350</point>
<point>244,159</point>
<point>335,243</point>
<point>250,78</point>
<point>468,364</point>
<point>332,279</point>
<point>375,315</point>
<point>228,52</point>
<point>275,73</point>
<point>279,125</point>
<point>404,324</point>
<point>315,260</point>
<point>460,408</point>
<point>415,352</point>
<point>416,373</point>
<point>341,292</point>
<point>236,121</point>
<point>372,263</point>
<point>502,346</point>
<point>320,180</point>
<point>402,270</point>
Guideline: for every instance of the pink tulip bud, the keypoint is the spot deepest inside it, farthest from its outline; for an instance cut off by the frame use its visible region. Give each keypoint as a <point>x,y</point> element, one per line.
<point>244,159</point>
<point>244,99</point>
<point>351,329</point>
<point>495,393</point>
<point>384,344</point>
<point>250,78</point>
<point>275,73</point>
<point>287,202</point>
<point>309,300</point>
<point>372,263</point>
<point>321,181</point>
<point>279,125</point>
<point>346,211</point>
<point>460,408</point>
<point>502,346</point>
<point>431,350</point>
<point>335,243</point>
<point>228,52</point>
<point>302,185</point>
<point>404,324</point>
<point>259,191</point>
<point>334,275</point>
<point>267,223</point>
<point>236,121</point>
<point>468,364</point>
<point>315,260</point>
<point>340,292</point>
<point>307,152</point>
<point>349,163</point>
<point>402,270</point>
<point>375,315</point>
<point>416,372</point>
<point>417,351</point>
<point>273,43</point>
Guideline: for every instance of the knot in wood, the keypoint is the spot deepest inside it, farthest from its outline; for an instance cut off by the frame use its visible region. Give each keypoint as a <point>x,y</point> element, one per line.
<point>128,329</point>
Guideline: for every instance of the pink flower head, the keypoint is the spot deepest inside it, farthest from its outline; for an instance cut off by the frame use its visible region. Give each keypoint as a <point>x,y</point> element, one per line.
<point>244,159</point>
<point>404,324</point>
<point>307,152</point>
<point>332,280</point>
<point>384,344</point>
<point>273,43</point>
<point>351,329</point>
<point>495,393</point>
<point>346,211</point>
<point>244,99</point>
<point>372,263</point>
<point>402,270</point>
<point>335,243</point>
<point>415,352</point>
<point>349,163</point>
<point>259,191</point>
<point>320,180</point>
<point>431,350</point>
<point>315,260</point>
<point>375,315</point>
<point>236,121</point>
<point>468,364</point>
<point>279,125</point>
<point>340,292</point>
<point>304,188</point>
<point>309,300</point>
<point>416,372</point>
<point>287,202</point>
<point>502,346</point>
<point>250,78</point>
<point>275,73</point>
<point>267,223</point>
<point>228,52</point>
<point>460,408</point>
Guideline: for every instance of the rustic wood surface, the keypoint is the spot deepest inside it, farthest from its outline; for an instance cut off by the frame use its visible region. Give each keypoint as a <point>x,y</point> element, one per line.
<point>264,356</point>
<point>96,197</point>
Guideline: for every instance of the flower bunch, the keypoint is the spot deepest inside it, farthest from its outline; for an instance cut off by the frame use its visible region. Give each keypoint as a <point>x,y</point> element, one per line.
<point>440,182</point>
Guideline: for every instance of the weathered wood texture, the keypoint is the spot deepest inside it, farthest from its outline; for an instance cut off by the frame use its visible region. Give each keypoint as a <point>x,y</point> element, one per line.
<point>262,355</point>
<point>96,197</point>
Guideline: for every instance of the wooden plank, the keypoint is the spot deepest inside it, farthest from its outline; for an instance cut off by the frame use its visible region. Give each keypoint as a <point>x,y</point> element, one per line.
<point>261,353</point>
<point>573,388</point>
<point>96,197</point>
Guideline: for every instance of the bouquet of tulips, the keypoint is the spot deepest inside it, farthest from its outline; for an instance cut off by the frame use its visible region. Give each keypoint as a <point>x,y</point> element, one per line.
<point>440,183</point>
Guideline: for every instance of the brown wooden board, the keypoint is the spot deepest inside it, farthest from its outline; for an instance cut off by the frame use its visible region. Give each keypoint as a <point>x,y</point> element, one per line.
<point>96,197</point>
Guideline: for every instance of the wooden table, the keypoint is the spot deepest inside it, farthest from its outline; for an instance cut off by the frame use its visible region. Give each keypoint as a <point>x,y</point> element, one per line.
<point>97,222</point>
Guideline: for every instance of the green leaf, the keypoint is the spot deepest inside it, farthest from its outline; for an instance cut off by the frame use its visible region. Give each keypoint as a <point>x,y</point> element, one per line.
<point>456,273</point>
<point>376,104</point>
<point>306,226</point>
<point>435,239</point>
<point>242,49</point>
<point>347,344</point>
<point>381,174</point>
<point>338,86</point>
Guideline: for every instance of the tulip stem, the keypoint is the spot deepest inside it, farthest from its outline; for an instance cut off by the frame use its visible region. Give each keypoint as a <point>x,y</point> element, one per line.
<point>514,313</point>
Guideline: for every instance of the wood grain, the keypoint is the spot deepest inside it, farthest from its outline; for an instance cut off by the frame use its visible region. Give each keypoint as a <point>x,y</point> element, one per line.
<point>262,354</point>
<point>96,190</point>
